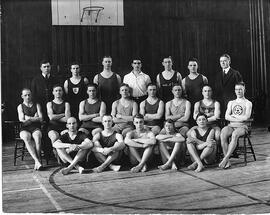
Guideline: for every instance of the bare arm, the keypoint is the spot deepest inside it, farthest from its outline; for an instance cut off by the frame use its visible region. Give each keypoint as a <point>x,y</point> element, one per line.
<point>67,112</point>
<point>149,140</point>
<point>66,86</point>
<point>158,81</point>
<point>129,118</point>
<point>236,118</point>
<point>119,80</point>
<point>102,112</point>
<point>86,144</point>
<point>37,117</point>
<point>205,80</point>
<point>95,80</point>
<point>52,116</point>
<point>115,115</point>
<point>58,144</point>
<point>176,138</point>
<point>159,113</point>
<point>86,81</point>
<point>130,142</point>
<point>142,108</point>
<point>185,118</point>
<point>216,113</point>
<point>83,116</point>
<point>196,110</point>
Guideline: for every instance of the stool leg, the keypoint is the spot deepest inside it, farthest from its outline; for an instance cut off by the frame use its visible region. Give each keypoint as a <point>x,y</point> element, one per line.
<point>23,151</point>
<point>245,151</point>
<point>251,148</point>
<point>15,153</point>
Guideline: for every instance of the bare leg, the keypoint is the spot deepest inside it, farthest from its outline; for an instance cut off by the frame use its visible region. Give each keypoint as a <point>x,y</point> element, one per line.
<point>37,135</point>
<point>193,152</point>
<point>156,129</point>
<point>170,158</point>
<point>225,134</point>
<point>106,161</point>
<point>79,156</point>
<point>84,130</point>
<point>235,135</point>
<point>142,164</point>
<point>95,131</point>
<point>26,137</point>
<point>53,135</point>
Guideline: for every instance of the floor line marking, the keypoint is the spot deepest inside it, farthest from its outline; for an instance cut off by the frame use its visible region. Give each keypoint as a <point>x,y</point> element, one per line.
<point>22,190</point>
<point>56,205</point>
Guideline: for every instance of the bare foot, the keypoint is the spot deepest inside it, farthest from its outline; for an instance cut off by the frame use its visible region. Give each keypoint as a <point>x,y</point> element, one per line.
<point>115,168</point>
<point>228,165</point>
<point>193,166</point>
<point>65,171</point>
<point>174,167</point>
<point>223,163</point>
<point>37,166</point>
<point>199,168</point>
<point>144,169</point>
<point>136,168</point>
<point>165,166</point>
<point>98,169</point>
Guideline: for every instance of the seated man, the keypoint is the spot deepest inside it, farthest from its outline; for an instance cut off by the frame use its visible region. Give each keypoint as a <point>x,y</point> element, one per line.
<point>140,142</point>
<point>72,146</point>
<point>178,110</point>
<point>237,113</point>
<point>123,111</point>
<point>108,146</point>
<point>58,112</point>
<point>90,111</point>
<point>201,144</point>
<point>152,109</point>
<point>31,117</point>
<point>170,140</point>
<point>210,107</point>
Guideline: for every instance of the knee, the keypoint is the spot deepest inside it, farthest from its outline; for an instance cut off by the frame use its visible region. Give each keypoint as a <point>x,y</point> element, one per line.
<point>156,130</point>
<point>235,136</point>
<point>26,136</point>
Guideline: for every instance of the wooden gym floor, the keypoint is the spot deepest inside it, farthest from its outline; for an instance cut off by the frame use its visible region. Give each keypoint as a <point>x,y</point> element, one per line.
<point>240,189</point>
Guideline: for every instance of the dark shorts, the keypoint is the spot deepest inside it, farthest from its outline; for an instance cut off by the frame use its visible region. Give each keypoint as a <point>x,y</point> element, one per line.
<point>31,128</point>
<point>57,126</point>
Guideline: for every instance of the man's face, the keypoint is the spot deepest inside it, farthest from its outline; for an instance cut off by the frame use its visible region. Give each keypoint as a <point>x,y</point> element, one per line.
<point>137,65</point>
<point>201,121</point>
<point>45,68</point>
<point>152,91</point>
<point>239,91</point>
<point>139,123</point>
<point>169,128</point>
<point>224,62</point>
<point>107,62</point>
<point>207,92</point>
<point>167,63</point>
<point>58,92</point>
<point>26,95</point>
<point>177,91</point>
<point>75,70</point>
<point>107,122</point>
<point>92,92</point>
<point>124,92</point>
<point>192,66</point>
<point>72,124</point>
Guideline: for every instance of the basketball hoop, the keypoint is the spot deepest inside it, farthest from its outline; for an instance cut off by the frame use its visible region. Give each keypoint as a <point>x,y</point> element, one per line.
<point>90,10</point>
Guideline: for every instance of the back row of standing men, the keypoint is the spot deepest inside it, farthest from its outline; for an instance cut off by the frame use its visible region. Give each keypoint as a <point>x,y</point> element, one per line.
<point>109,83</point>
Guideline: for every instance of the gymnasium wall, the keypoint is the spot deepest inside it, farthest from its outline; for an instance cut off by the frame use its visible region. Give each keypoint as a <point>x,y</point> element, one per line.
<point>153,29</point>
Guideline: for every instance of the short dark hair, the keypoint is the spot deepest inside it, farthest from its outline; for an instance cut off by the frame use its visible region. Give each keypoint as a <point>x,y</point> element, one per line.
<point>44,61</point>
<point>227,56</point>
<point>169,57</point>
<point>207,85</point>
<point>74,63</point>
<point>106,56</point>
<point>241,83</point>
<point>201,114</point>
<point>26,88</point>
<point>124,85</point>
<point>106,115</point>
<point>92,85</point>
<point>194,59</point>
<point>151,84</point>
<point>177,85</point>
<point>57,85</point>
<point>138,116</point>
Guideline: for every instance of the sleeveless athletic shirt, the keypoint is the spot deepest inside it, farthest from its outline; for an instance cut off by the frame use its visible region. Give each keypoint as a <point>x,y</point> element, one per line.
<point>152,109</point>
<point>203,108</point>
<point>194,88</point>
<point>204,137</point>
<point>239,109</point>
<point>30,111</point>
<point>165,91</point>
<point>58,108</point>
<point>76,93</point>
<point>55,124</point>
<point>107,141</point>
<point>108,89</point>
<point>91,109</point>
<point>180,109</point>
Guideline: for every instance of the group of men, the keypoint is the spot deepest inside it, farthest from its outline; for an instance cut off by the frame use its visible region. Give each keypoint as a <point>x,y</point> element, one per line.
<point>90,118</point>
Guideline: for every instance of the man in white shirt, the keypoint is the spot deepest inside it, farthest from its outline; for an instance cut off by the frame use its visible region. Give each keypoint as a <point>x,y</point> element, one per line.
<point>137,81</point>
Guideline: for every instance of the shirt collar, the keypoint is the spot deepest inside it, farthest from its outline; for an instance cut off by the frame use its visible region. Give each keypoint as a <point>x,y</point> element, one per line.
<point>45,75</point>
<point>226,70</point>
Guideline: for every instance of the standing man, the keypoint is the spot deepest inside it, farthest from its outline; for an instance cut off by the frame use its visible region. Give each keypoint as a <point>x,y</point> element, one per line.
<point>42,87</point>
<point>72,146</point>
<point>141,143</point>
<point>166,79</point>
<point>108,83</point>
<point>225,81</point>
<point>237,113</point>
<point>137,81</point>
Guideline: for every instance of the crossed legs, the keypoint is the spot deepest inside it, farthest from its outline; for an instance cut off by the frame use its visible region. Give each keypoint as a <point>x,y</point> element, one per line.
<point>136,157</point>
<point>106,161</point>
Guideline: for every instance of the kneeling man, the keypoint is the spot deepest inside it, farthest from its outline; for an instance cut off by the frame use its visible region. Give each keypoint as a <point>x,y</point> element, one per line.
<point>141,143</point>
<point>237,113</point>
<point>108,146</point>
<point>72,146</point>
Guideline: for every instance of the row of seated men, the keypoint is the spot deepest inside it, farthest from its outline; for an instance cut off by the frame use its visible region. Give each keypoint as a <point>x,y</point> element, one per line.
<point>108,135</point>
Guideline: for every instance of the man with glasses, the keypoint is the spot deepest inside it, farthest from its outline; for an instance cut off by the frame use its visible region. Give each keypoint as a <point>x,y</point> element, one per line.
<point>137,81</point>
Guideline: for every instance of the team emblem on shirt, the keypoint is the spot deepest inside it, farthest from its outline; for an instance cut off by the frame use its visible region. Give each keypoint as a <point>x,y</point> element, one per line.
<point>237,110</point>
<point>75,90</point>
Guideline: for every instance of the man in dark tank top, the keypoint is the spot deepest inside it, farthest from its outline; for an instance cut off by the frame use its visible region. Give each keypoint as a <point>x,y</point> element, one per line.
<point>75,88</point>
<point>108,146</point>
<point>152,109</point>
<point>166,79</point>
<point>108,84</point>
